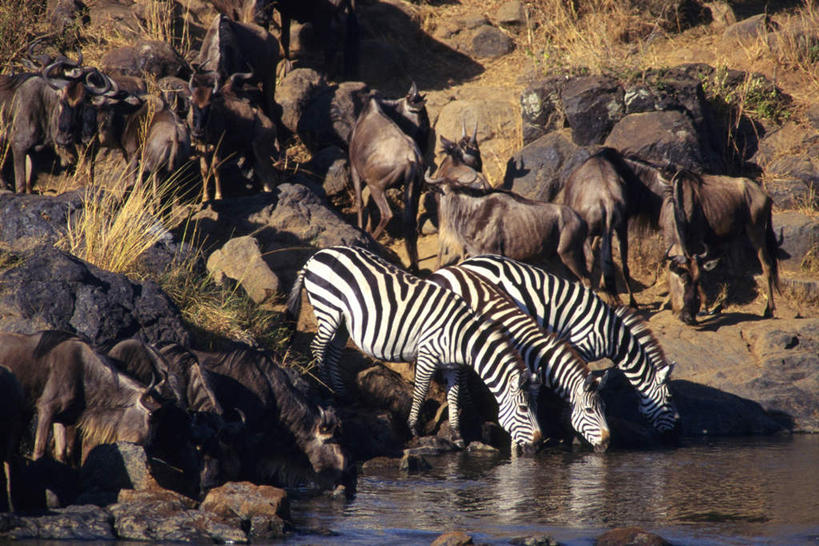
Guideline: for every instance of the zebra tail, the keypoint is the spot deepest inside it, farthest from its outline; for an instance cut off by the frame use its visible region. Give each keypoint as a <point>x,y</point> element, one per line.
<point>294,298</point>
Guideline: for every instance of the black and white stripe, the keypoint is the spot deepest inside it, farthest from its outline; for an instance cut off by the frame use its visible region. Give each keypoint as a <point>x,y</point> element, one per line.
<point>592,327</point>
<point>552,359</point>
<point>394,316</point>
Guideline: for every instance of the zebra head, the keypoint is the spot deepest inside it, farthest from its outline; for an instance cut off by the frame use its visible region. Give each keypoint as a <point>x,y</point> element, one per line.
<point>518,414</point>
<point>588,415</point>
<point>657,404</point>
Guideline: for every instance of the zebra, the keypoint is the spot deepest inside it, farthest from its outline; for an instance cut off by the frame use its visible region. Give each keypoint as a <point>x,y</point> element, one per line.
<point>394,316</point>
<point>556,363</point>
<point>595,329</point>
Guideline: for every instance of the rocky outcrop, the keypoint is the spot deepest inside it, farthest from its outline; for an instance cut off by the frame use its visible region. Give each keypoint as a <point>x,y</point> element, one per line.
<point>47,289</point>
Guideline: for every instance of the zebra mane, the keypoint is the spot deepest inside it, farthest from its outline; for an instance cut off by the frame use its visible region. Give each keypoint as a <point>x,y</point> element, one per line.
<point>645,337</point>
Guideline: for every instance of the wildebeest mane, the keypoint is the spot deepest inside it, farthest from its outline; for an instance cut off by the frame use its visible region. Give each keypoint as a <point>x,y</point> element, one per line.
<point>49,339</point>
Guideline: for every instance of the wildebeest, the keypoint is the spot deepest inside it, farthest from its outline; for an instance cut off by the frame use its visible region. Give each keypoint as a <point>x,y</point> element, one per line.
<point>69,384</point>
<point>289,437</point>
<point>505,223</point>
<point>43,110</point>
<point>457,166</point>
<point>711,212</point>
<point>223,124</point>
<point>230,47</point>
<point>410,114</point>
<point>603,191</point>
<point>382,156</point>
<point>152,139</point>
<point>193,432</point>
<point>11,426</point>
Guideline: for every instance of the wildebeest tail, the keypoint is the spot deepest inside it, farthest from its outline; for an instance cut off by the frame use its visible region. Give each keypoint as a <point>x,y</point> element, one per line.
<point>773,251</point>
<point>606,258</point>
<point>294,298</point>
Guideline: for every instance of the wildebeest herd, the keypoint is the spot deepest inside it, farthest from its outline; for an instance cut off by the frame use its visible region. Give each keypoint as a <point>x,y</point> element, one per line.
<point>521,329</point>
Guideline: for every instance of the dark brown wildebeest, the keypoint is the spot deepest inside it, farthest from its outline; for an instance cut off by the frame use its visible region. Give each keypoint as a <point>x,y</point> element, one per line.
<point>290,437</point>
<point>193,432</point>
<point>457,167</point>
<point>13,420</point>
<point>223,124</point>
<point>43,110</point>
<point>69,384</point>
<point>382,156</point>
<point>230,47</point>
<point>505,223</point>
<point>606,194</point>
<point>711,212</point>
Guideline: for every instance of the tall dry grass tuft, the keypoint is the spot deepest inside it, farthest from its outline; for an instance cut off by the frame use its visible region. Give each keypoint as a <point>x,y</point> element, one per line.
<point>19,21</point>
<point>164,21</point>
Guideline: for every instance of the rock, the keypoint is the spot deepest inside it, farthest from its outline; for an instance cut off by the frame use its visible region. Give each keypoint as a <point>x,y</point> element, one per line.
<point>412,462</point>
<point>163,517</point>
<point>538,170</point>
<point>294,93</point>
<point>112,467</point>
<point>800,238</point>
<point>74,523</point>
<point>789,193</point>
<point>373,433</point>
<point>480,447</point>
<point>381,388</point>
<point>241,260</point>
<point>261,508</point>
<point>630,536</point>
<point>329,117</point>
<point>511,13</point>
<point>50,289</point>
<point>592,104</point>
<point>455,538</point>
<point>431,445</point>
<point>28,220</point>
<point>489,42</point>
<point>749,29</point>
<point>331,166</point>
<point>539,540</point>
<point>147,57</point>
<point>66,19</point>
<point>662,138</point>
<point>541,108</point>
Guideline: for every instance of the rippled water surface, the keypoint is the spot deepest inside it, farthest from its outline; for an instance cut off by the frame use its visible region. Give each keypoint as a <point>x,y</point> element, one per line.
<point>733,491</point>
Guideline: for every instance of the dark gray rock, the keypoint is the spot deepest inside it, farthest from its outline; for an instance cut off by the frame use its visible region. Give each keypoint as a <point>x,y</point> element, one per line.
<point>329,117</point>
<point>623,536</point>
<point>30,220</point>
<point>539,169</point>
<point>592,104</point>
<point>511,13</point>
<point>412,462</point>
<point>382,388</point>
<point>541,108</point>
<point>750,28</point>
<point>50,289</point>
<point>147,57</point>
<point>294,93</point>
<point>489,42</point>
<point>663,138</point>
<point>800,239</point>
<point>74,523</point>
<point>330,166</point>
<point>112,467</point>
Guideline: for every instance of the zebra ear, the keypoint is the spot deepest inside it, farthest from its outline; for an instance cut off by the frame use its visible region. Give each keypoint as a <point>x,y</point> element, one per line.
<point>593,383</point>
<point>603,379</point>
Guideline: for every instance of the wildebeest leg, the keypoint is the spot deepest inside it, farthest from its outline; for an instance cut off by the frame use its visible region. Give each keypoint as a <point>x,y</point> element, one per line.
<point>385,213</point>
<point>454,380</point>
<point>203,169</point>
<point>412,194</point>
<point>622,236</point>
<point>20,160</point>
<point>763,254</point>
<point>572,255</point>
<point>45,414</point>
<point>58,429</point>
<point>264,169</point>
<point>359,203</point>
<point>424,368</point>
<point>607,267</point>
<point>7,474</point>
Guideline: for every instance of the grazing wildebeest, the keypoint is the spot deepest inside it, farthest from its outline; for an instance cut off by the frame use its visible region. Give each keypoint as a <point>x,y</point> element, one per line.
<point>410,114</point>
<point>11,426</point>
<point>382,156</point>
<point>222,124</point>
<point>505,223</point>
<point>43,110</point>
<point>711,212</point>
<point>230,47</point>
<point>289,437</point>
<point>604,192</point>
<point>193,432</point>
<point>69,384</point>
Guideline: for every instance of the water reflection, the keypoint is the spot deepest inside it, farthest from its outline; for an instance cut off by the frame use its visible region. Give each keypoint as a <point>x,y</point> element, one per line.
<point>730,491</point>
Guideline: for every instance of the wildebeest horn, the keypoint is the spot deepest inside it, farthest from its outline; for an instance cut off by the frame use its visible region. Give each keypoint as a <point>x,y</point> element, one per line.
<point>679,216</point>
<point>108,86</point>
<point>238,78</point>
<point>463,128</point>
<point>53,81</point>
<point>474,139</point>
<point>413,91</point>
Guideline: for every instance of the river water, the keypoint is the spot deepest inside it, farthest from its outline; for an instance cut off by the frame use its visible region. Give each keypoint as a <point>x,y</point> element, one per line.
<point>722,491</point>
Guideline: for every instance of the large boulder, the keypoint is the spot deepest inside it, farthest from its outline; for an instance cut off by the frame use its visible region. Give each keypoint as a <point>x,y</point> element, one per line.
<point>74,523</point>
<point>28,220</point>
<point>241,260</point>
<point>667,137</point>
<point>539,169</point>
<point>541,108</point>
<point>47,289</point>
<point>294,92</point>
<point>800,239</point>
<point>330,115</point>
<point>262,509</point>
<point>592,104</point>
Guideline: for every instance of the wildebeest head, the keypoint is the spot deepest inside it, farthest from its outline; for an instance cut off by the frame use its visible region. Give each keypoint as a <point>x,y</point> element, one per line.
<point>218,441</point>
<point>66,77</point>
<point>204,88</point>
<point>324,451</point>
<point>468,147</point>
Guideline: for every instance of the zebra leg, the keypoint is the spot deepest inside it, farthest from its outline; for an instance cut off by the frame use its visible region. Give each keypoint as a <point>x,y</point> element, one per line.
<point>424,368</point>
<point>454,380</point>
<point>326,348</point>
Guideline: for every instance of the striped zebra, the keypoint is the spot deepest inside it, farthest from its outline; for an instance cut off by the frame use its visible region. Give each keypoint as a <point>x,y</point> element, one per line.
<point>392,315</point>
<point>592,327</point>
<point>552,359</point>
